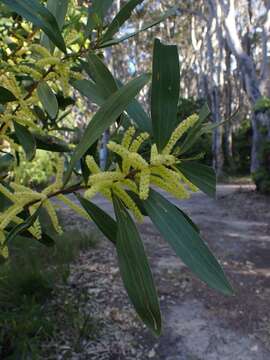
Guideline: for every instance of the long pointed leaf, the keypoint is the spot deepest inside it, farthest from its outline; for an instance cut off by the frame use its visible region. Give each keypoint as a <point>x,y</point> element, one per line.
<point>203,176</point>
<point>104,221</point>
<point>135,270</point>
<point>105,116</point>
<point>36,13</point>
<point>58,8</point>
<point>165,92</point>
<point>26,140</point>
<point>123,15</point>
<point>144,27</point>
<point>186,242</point>
<point>48,99</point>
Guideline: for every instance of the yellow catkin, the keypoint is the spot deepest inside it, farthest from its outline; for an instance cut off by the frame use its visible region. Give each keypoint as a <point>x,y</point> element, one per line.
<point>134,147</point>
<point>8,215</point>
<point>48,61</point>
<point>118,149</point>
<point>131,185</point>
<point>127,200</point>
<point>41,50</point>
<point>134,159</point>
<point>163,159</point>
<point>92,165</point>
<point>8,194</point>
<point>73,206</point>
<point>53,216</point>
<point>3,247</point>
<point>109,176</point>
<point>30,71</point>
<point>144,184</point>
<point>128,137</point>
<point>179,131</point>
<point>92,191</point>
<point>171,178</point>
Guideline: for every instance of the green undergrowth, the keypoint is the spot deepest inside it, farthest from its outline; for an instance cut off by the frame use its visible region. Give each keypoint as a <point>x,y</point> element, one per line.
<point>28,280</point>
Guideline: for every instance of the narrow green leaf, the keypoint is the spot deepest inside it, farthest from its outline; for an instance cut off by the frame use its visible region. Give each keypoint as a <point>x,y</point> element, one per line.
<point>51,143</point>
<point>137,114</point>
<point>6,96</point>
<point>105,116</point>
<point>58,9</point>
<point>123,15</point>
<point>41,17</point>
<point>18,229</point>
<point>96,12</point>
<point>195,227</point>
<point>48,99</point>
<point>186,242</point>
<point>165,92</point>
<point>106,224</point>
<point>105,86</point>
<point>203,176</point>
<point>91,90</point>
<point>144,27</point>
<point>135,270</point>
<point>102,76</point>
<point>26,139</point>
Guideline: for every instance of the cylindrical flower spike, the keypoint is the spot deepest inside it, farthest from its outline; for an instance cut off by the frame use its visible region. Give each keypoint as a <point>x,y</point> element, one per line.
<point>179,132</point>
<point>128,137</point>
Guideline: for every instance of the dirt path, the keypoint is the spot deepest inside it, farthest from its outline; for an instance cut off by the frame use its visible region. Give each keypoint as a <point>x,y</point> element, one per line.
<point>199,324</point>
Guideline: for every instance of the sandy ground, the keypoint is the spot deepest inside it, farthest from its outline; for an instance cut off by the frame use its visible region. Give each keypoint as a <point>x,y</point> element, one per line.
<point>198,323</point>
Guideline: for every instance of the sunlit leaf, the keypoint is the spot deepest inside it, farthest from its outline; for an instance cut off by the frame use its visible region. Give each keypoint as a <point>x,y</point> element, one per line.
<point>41,17</point>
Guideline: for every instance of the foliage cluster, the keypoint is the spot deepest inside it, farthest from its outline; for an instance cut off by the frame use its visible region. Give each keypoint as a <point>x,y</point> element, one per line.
<point>53,49</point>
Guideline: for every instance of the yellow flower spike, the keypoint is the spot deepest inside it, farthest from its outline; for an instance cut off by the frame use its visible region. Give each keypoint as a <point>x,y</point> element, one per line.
<point>92,165</point>
<point>131,185</point>
<point>30,71</point>
<point>59,173</point>
<point>92,191</point>
<point>191,186</point>
<point>128,137</point>
<point>41,50</point>
<point>34,230</point>
<point>144,183</point>
<point>127,200</point>
<point>163,160</point>
<point>3,248</point>
<point>118,149</point>
<point>2,237</point>
<point>8,215</point>
<point>48,61</point>
<point>58,178</point>
<point>8,194</point>
<point>171,178</point>
<point>73,206</point>
<point>53,216</point>
<point>137,161</point>
<point>179,132</point>
<point>177,191</point>
<point>109,176</point>
<point>134,147</point>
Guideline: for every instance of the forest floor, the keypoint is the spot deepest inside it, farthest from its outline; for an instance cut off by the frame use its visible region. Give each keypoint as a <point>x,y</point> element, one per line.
<point>198,323</point>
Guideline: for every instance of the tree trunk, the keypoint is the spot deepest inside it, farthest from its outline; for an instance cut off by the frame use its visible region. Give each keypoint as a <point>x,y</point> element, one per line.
<point>260,121</point>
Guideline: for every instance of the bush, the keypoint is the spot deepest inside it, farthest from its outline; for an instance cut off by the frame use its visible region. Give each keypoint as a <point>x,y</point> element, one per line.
<point>38,172</point>
<point>262,176</point>
<point>242,139</point>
